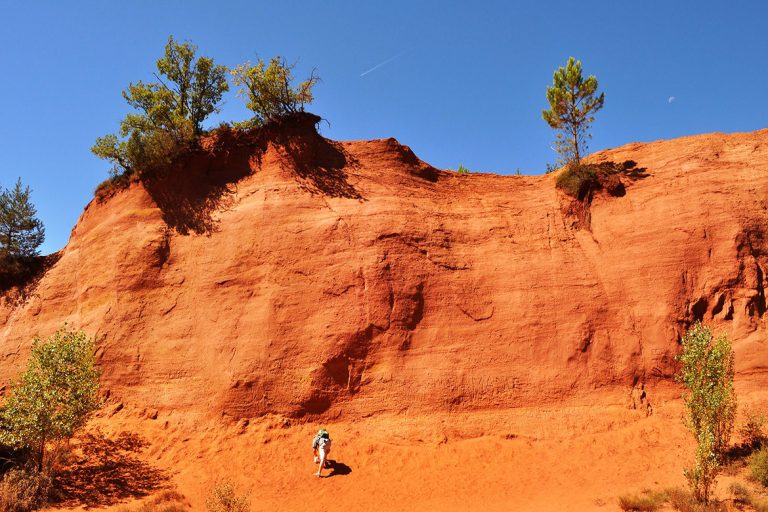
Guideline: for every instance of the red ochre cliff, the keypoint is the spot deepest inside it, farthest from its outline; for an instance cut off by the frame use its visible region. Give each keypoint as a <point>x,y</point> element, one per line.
<point>300,275</point>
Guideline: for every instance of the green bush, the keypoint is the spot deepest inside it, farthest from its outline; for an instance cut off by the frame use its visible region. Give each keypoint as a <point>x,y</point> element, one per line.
<point>707,373</point>
<point>24,490</point>
<point>577,180</point>
<point>146,150</point>
<point>758,465</point>
<point>54,396</point>
<point>463,170</point>
<point>268,92</point>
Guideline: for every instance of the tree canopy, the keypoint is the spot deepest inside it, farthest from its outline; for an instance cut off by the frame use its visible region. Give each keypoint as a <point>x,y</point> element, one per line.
<point>268,91</point>
<point>187,90</point>
<point>21,232</point>
<point>707,373</point>
<point>573,102</point>
<point>54,396</point>
<point>169,112</point>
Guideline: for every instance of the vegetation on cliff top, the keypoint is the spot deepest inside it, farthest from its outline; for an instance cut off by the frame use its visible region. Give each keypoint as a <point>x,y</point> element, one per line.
<point>268,92</point>
<point>169,114</point>
<point>573,101</point>
<point>21,234</point>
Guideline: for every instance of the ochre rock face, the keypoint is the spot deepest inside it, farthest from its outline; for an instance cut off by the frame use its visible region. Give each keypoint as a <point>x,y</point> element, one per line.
<point>303,276</point>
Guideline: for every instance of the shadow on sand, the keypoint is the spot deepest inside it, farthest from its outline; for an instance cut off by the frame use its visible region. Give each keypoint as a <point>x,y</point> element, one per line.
<point>108,471</point>
<point>337,469</point>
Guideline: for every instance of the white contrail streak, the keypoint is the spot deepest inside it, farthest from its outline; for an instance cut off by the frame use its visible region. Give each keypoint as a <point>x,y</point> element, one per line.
<point>377,66</point>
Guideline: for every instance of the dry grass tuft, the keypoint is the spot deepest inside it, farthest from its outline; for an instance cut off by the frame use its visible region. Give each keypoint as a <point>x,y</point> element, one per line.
<point>647,501</point>
<point>758,466</point>
<point>165,501</point>
<point>24,490</point>
<point>743,497</point>
<point>224,499</point>
<point>683,501</point>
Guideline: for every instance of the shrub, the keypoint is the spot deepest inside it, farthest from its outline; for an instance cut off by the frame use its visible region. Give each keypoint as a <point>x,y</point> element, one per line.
<point>740,493</point>
<point>224,499</point>
<point>146,150</point>
<point>707,372</point>
<point>577,180</point>
<point>24,490</point>
<point>646,501</point>
<point>758,465</point>
<point>111,185</point>
<point>752,431</point>
<point>685,501</point>
<point>54,396</point>
<point>742,496</point>
<point>462,170</point>
<point>268,91</point>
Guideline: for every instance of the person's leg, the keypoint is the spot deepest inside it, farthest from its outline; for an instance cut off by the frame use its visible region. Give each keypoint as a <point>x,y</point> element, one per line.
<point>322,462</point>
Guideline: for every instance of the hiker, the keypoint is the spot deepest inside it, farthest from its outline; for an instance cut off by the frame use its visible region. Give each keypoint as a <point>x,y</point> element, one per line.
<point>321,446</point>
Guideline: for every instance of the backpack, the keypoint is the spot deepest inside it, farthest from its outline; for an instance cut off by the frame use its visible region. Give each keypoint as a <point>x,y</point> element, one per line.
<point>323,435</point>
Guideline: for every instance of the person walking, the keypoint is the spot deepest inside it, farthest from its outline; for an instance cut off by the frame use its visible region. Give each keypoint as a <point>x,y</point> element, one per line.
<point>321,446</point>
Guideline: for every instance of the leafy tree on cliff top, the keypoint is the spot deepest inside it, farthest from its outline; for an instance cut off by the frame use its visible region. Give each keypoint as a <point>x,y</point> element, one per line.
<point>21,232</point>
<point>573,102</point>
<point>54,396</point>
<point>707,373</point>
<point>170,112</point>
<point>268,91</point>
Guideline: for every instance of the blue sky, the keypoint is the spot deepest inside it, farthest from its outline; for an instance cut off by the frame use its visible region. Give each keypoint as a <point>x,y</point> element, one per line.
<point>466,84</point>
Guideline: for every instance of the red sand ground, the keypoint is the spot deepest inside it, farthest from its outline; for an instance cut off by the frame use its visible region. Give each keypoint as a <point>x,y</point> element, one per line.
<point>471,341</point>
<point>566,457</point>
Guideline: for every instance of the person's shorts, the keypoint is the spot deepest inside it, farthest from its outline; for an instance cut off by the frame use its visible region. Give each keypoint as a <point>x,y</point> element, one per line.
<point>324,450</point>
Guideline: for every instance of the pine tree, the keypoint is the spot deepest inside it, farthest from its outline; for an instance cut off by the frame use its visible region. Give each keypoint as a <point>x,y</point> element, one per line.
<point>21,232</point>
<point>572,104</point>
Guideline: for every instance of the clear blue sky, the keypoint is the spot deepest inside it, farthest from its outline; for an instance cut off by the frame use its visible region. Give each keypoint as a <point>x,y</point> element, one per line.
<point>466,87</point>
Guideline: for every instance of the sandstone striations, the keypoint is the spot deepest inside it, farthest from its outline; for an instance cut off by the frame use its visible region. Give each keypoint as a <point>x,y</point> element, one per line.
<point>295,275</point>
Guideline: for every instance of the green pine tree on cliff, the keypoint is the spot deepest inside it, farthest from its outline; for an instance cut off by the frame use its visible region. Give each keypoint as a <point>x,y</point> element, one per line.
<point>21,232</point>
<point>573,102</point>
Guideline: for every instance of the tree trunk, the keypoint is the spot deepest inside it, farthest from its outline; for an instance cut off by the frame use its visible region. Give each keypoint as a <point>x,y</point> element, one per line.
<point>41,456</point>
<point>576,145</point>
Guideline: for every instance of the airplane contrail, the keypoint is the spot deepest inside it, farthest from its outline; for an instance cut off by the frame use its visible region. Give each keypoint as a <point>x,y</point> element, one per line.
<point>377,66</point>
